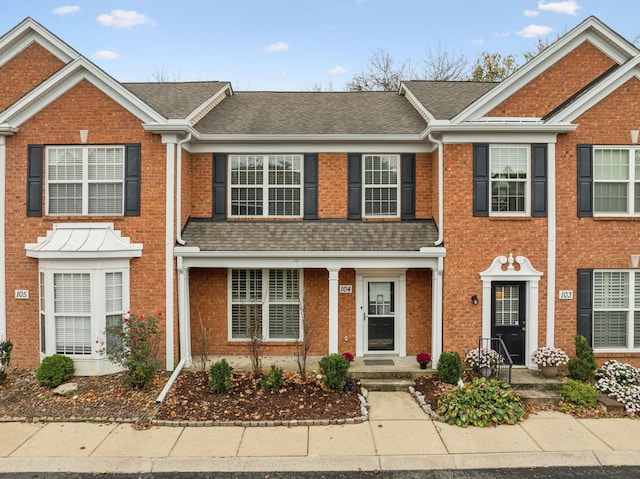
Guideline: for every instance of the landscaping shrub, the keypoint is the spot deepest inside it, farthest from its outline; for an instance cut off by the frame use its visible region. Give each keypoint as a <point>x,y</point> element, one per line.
<point>450,367</point>
<point>482,403</point>
<point>584,365</point>
<point>6,347</point>
<point>220,379</point>
<point>55,370</point>
<point>273,379</point>
<point>579,395</point>
<point>334,369</point>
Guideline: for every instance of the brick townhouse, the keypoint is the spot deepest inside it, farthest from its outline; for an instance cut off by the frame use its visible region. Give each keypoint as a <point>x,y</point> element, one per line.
<point>380,223</point>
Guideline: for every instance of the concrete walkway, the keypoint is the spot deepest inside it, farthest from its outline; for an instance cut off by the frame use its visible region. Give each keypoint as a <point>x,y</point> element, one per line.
<point>398,436</point>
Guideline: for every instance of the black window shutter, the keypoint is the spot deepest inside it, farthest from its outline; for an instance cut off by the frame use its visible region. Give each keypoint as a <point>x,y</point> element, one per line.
<point>585,180</point>
<point>539,180</point>
<point>408,175</point>
<point>355,187</point>
<point>481,180</point>
<point>585,304</point>
<point>34,180</point>
<point>132,180</point>
<point>219,186</point>
<point>311,186</point>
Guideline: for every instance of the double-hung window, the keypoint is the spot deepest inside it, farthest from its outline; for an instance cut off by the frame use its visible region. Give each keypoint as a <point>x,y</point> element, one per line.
<point>616,310</point>
<point>85,180</point>
<point>266,185</point>
<point>616,181</point>
<point>381,187</point>
<point>509,171</point>
<point>265,303</point>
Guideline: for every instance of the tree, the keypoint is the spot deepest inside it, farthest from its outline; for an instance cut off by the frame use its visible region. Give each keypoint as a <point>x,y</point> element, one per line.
<point>493,67</point>
<point>382,73</point>
<point>161,75</point>
<point>443,65</point>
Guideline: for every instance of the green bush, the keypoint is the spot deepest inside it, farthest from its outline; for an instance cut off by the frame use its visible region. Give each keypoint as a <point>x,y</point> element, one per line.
<point>334,369</point>
<point>450,367</point>
<point>584,365</point>
<point>578,394</point>
<point>482,403</point>
<point>220,379</point>
<point>6,347</point>
<point>273,379</point>
<point>55,370</point>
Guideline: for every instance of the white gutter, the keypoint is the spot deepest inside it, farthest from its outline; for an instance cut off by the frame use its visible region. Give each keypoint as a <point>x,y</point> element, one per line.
<point>172,379</point>
<point>3,292</point>
<point>440,189</point>
<point>551,243</point>
<point>179,190</point>
<point>170,141</point>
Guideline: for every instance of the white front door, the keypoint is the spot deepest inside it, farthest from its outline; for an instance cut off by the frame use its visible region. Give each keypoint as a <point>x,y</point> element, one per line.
<point>380,309</point>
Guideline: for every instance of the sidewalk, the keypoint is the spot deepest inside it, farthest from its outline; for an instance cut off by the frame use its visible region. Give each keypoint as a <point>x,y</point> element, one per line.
<point>398,436</point>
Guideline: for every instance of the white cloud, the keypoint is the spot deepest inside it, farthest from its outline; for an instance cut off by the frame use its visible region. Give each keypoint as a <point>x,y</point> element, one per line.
<point>531,13</point>
<point>570,7</point>
<point>337,70</point>
<point>124,19</point>
<point>105,55</point>
<point>66,10</point>
<point>477,41</point>
<point>502,34</point>
<point>533,31</point>
<point>275,47</point>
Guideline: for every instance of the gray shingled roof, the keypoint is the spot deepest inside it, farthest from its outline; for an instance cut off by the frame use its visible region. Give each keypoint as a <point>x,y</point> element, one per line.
<point>175,100</point>
<point>309,113</point>
<point>319,235</point>
<point>445,99</point>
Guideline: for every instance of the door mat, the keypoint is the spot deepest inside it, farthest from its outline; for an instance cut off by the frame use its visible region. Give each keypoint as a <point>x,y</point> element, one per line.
<point>378,362</point>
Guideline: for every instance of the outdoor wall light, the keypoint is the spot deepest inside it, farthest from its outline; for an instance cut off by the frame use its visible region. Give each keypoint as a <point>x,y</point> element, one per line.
<point>474,299</point>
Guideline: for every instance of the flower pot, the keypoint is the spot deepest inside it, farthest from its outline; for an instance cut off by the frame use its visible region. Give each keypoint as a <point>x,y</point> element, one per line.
<point>423,365</point>
<point>549,371</point>
<point>485,372</point>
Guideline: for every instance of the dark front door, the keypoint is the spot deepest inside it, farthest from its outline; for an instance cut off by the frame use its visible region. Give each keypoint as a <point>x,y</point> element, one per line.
<point>508,319</point>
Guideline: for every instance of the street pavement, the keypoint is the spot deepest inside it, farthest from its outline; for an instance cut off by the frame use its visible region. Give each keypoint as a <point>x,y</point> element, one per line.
<point>399,436</point>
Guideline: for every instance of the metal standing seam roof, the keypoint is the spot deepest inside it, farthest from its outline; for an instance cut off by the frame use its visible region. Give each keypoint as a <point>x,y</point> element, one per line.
<point>321,235</point>
<point>445,99</point>
<point>313,113</point>
<point>175,100</point>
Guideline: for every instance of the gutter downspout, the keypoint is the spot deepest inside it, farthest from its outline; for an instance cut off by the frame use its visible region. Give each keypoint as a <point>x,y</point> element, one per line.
<point>172,379</point>
<point>3,249</point>
<point>551,245</point>
<point>440,189</point>
<point>179,239</point>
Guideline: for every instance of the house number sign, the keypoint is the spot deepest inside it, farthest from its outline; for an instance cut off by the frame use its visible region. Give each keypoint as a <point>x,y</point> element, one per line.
<point>21,294</point>
<point>565,294</point>
<point>345,288</point>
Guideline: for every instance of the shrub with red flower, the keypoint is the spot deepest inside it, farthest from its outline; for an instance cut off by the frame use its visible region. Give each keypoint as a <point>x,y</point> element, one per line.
<point>423,358</point>
<point>348,356</point>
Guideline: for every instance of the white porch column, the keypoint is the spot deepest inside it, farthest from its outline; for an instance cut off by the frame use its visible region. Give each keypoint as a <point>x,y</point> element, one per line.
<point>3,293</point>
<point>436,312</point>
<point>333,309</point>
<point>551,244</point>
<point>184,314</point>
<point>170,141</point>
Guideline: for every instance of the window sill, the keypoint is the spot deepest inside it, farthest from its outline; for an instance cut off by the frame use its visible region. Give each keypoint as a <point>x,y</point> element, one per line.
<point>271,342</point>
<point>613,353</point>
<point>616,218</point>
<point>510,218</point>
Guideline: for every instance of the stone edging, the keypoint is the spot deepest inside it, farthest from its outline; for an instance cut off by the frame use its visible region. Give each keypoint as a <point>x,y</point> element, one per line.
<point>364,411</point>
<point>419,397</point>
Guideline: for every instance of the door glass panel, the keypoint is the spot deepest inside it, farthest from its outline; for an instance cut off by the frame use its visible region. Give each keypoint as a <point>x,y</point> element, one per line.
<point>507,305</point>
<point>381,321</point>
<point>381,298</point>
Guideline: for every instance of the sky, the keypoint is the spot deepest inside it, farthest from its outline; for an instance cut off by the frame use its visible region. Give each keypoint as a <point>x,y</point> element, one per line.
<point>300,45</point>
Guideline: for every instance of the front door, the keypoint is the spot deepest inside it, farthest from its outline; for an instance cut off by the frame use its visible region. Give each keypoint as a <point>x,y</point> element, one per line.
<point>380,317</point>
<point>508,320</point>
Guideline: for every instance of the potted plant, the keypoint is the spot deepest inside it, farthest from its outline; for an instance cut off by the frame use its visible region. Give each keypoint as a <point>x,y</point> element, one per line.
<point>483,360</point>
<point>548,359</point>
<point>424,359</point>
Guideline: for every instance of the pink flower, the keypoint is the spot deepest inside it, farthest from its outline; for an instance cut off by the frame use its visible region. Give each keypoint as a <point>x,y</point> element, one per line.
<point>126,320</point>
<point>140,316</point>
<point>159,313</point>
<point>137,340</point>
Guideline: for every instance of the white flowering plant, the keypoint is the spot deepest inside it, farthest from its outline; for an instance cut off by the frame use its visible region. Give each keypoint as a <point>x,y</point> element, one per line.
<point>549,356</point>
<point>483,358</point>
<point>620,381</point>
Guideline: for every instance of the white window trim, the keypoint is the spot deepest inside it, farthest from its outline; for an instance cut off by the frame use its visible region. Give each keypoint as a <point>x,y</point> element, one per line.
<point>266,186</point>
<point>398,186</point>
<point>265,307</point>
<point>630,182</point>
<point>629,311</point>
<point>85,180</point>
<point>527,182</point>
<point>95,363</point>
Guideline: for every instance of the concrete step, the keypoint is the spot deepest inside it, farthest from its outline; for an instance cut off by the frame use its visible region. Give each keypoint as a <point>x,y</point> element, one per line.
<point>386,384</point>
<point>537,397</point>
<point>388,374</point>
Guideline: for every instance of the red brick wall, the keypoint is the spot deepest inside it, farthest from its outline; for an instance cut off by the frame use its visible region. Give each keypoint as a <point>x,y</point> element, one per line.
<point>556,84</point>
<point>332,185</point>
<point>419,311</point>
<point>82,108</point>
<point>200,185</point>
<point>426,201</point>
<point>25,71</point>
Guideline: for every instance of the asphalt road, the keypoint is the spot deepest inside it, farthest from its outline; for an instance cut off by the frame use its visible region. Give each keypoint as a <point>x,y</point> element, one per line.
<point>623,472</point>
